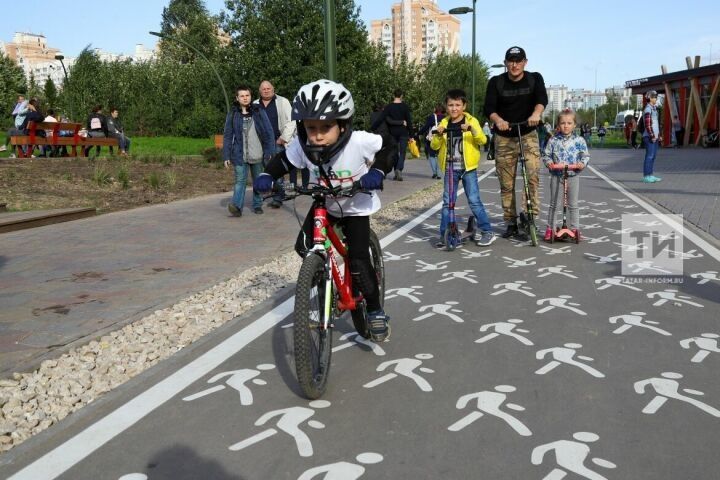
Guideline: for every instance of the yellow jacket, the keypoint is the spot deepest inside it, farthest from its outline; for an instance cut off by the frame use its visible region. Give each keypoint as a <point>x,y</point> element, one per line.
<point>471,143</point>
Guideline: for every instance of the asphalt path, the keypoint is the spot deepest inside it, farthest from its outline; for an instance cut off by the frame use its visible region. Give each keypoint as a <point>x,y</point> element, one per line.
<point>504,362</point>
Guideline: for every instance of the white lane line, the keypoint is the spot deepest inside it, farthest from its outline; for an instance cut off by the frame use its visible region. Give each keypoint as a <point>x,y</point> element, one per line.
<point>66,455</point>
<point>687,233</point>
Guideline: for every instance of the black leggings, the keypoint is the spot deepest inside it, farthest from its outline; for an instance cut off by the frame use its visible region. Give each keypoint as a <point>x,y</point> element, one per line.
<point>357,237</point>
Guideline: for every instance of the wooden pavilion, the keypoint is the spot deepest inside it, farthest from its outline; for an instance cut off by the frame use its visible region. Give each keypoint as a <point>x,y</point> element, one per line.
<point>692,95</point>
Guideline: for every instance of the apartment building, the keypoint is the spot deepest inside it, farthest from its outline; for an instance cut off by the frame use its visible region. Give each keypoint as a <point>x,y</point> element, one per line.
<point>419,28</point>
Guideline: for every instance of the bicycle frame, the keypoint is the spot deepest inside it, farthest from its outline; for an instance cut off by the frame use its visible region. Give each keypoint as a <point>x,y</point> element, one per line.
<point>326,243</point>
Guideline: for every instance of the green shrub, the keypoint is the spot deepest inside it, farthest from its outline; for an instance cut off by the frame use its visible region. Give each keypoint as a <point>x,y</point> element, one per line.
<point>101,176</point>
<point>211,154</point>
<point>170,178</point>
<point>123,176</point>
<point>153,180</point>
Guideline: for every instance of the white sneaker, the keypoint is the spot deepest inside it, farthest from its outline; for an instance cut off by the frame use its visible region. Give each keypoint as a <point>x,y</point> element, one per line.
<point>3,148</point>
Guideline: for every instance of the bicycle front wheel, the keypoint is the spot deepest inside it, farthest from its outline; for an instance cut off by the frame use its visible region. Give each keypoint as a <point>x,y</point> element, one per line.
<point>312,340</point>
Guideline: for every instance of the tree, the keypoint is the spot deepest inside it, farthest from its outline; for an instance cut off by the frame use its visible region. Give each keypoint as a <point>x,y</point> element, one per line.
<point>13,83</point>
<point>189,21</point>
<point>50,93</point>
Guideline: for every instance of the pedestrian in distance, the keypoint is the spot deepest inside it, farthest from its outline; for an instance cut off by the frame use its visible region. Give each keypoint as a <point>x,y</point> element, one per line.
<point>602,131</point>
<point>326,141</point>
<point>570,149</point>
<point>116,130</point>
<point>426,131</point>
<point>96,127</point>
<point>399,120</point>
<point>18,115</point>
<point>650,136</point>
<point>513,97</point>
<point>278,111</point>
<point>248,141</point>
<point>458,137</point>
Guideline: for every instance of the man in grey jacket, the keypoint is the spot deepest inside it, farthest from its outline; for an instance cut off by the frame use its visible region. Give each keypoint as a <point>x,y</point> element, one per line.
<point>278,110</point>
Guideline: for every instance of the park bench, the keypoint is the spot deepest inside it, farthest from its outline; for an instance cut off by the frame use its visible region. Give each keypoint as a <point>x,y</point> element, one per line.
<point>33,138</point>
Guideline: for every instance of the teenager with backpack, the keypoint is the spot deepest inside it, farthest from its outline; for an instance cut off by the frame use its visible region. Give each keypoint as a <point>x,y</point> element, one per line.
<point>512,97</point>
<point>650,129</point>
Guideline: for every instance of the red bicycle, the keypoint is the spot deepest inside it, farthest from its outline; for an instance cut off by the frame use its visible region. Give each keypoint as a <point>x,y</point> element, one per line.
<point>324,292</point>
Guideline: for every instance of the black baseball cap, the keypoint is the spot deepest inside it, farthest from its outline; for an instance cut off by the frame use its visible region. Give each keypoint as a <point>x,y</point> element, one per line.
<point>515,54</point>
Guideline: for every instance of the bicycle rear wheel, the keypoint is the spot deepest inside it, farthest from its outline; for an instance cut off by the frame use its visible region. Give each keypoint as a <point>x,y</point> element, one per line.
<point>359,315</point>
<point>313,342</point>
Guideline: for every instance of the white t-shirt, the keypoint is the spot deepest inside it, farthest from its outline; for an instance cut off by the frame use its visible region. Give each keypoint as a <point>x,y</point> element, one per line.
<point>349,165</point>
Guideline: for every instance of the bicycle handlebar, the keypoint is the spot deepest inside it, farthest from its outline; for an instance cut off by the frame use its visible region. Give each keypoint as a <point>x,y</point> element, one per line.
<point>292,191</point>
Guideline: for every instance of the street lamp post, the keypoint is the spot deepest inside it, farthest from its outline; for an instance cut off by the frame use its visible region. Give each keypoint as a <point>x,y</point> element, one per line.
<point>462,11</point>
<point>330,50</point>
<point>176,39</point>
<point>61,58</point>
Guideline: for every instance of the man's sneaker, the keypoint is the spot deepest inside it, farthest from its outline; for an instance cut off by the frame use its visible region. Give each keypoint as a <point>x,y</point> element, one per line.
<point>648,179</point>
<point>548,234</point>
<point>276,203</point>
<point>398,176</point>
<point>258,210</point>
<point>511,231</point>
<point>486,239</point>
<point>655,179</point>
<point>234,211</point>
<point>440,244</point>
<point>378,325</point>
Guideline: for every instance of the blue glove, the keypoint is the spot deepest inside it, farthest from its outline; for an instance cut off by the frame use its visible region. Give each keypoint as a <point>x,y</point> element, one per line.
<point>372,180</point>
<point>263,183</point>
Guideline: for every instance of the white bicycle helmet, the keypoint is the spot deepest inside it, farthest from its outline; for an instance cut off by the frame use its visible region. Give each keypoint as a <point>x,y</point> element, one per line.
<point>323,100</point>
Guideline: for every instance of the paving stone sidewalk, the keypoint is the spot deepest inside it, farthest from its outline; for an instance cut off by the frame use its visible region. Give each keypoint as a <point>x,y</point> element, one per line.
<point>63,284</point>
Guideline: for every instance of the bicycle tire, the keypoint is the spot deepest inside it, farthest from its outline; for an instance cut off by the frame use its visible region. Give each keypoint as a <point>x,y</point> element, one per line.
<point>359,315</point>
<point>312,342</point>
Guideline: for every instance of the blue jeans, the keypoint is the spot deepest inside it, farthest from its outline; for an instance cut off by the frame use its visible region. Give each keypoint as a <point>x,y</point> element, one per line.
<point>650,154</point>
<point>433,159</point>
<point>472,192</point>
<point>241,172</point>
<point>402,143</point>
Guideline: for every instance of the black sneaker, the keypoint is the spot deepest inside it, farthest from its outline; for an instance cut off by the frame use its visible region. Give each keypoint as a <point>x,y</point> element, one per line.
<point>440,244</point>
<point>379,327</point>
<point>258,210</point>
<point>276,204</point>
<point>234,211</point>
<point>398,176</point>
<point>512,231</point>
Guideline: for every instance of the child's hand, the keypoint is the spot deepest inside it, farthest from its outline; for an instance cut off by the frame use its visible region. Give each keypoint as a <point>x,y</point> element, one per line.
<point>580,166</point>
<point>440,130</point>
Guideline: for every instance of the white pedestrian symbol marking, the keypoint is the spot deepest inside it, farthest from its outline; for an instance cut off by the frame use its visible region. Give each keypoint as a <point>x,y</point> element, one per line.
<point>592,240</point>
<point>604,210</point>
<point>289,420</point>
<point>134,476</point>
<point>609,220</point>
<point>504,328</point>
<point>597,204</point>
<point>666,387</point>
<point>687,255</point>
<point>617,280</point>
<point>461,275</point>
<point>429,226</point>
<point>405,367</point>
<point>343,470</point>
<point>558,270</point>
<point>468,254</point>
<point>440,309</point>
<point>646,265</point>
<point>631,247</point>
<point>707,343</point>
<point>414,239</point>
<point>236,379</point>
<point>430,267</point>
<point>570,456</point>
<point>705,277</point>
<point>650,223</point>
<point>489,402</point>
<point>559,302</point>
<point>630,320</point>
<point>354,339</point>
<point>514,263</point>
<point>516,286</point>
<point>620,231</point>
<point>556,250</point>
<point>406,292</point>
<point>612,258</point>
<point>591,226</point>
<point>565,355</point>
<point>669,295</point>
<point>391,257</point>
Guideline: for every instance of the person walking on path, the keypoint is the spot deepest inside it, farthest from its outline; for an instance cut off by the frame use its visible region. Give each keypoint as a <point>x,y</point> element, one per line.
<point>278,111</point>
<point>397,115</point>
<point>248,140</point>
<point>651,136</point>
<point>426,131</point>
<point>488,134</point>
<point>512,97</point>
<point>458,138</point>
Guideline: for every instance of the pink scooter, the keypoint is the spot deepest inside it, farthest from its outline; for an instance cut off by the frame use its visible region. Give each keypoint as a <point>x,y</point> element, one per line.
<point>564,233</point>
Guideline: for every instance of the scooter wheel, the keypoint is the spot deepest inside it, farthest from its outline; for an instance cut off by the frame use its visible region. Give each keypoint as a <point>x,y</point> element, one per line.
<point>577,235</point>
<point>449,241</point>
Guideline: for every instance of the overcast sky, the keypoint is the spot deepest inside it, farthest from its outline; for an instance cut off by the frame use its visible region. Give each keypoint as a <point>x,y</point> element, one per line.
<point>573,43</point>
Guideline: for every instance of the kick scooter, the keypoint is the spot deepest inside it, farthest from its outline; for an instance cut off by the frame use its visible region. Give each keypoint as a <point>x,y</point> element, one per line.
<point>564,233</point>
<point>453,237</point>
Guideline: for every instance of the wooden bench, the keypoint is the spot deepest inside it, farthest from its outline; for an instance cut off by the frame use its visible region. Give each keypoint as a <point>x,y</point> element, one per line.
<point>33,138</point>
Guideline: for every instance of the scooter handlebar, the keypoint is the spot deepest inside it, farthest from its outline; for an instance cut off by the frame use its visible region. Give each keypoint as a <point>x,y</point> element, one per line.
<point>562,166</point>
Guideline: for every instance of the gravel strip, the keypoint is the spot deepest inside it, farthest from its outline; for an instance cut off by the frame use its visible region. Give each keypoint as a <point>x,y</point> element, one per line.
<point>31,402</point>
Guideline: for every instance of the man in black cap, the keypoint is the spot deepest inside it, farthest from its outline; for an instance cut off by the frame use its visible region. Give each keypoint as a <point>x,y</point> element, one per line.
<point>513,97</point>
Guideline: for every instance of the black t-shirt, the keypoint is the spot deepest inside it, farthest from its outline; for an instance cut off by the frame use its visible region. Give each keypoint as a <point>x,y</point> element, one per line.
<point>396,113</point>
<point>516,102</point>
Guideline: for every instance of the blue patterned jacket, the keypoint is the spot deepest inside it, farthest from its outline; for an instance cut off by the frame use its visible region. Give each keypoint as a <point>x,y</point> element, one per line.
<point>570,149</point>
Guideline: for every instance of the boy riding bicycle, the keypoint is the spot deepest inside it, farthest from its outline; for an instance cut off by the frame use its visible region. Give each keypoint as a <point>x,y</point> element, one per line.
<point>335,155</point>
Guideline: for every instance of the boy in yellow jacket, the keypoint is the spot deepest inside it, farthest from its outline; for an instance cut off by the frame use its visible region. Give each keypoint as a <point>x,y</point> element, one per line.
<point>459,136</point>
